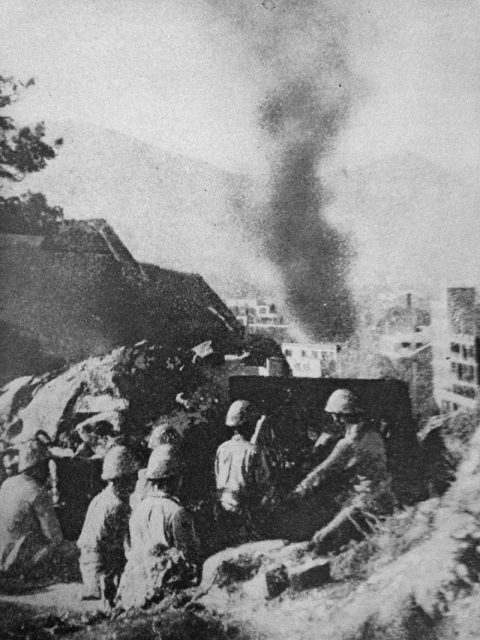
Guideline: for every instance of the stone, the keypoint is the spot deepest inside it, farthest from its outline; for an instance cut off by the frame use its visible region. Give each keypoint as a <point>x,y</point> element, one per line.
<point>245,560</point>
<point>309,575</point>
<point>276,580</point>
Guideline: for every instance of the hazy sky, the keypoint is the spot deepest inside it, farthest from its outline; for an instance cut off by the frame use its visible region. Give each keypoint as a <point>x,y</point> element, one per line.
<point>159,70</point>
<point>173,73</point>
<point>186,76</point>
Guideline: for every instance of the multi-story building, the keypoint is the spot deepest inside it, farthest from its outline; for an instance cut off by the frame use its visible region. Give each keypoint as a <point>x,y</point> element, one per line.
<point>259,316</point>
<point>312,359</point>
<point>456,351</point>
<point>404,344</point>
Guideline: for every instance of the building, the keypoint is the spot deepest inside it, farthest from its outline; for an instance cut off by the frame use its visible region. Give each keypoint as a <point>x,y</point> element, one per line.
<point>456,350</point>
<point>312,359</point>
<point>404,344</point>
<point>78,292</point>
<point>259,316</point>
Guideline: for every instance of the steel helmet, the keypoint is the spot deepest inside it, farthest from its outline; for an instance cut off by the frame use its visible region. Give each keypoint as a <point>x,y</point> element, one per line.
<point>31,453</point>
<point>163,434</point>
<point>240,413</point>
<point>164,462</point>
<point>343,401</point>
<point>118,462</point>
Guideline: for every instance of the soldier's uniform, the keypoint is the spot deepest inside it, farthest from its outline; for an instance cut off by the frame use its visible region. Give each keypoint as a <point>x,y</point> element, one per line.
<point>357,471</point>
<point>361,451</point>
<point>103,540</point>
<point>242,479</point>
<point>164,548</point>
<point>241,473</point>
<point>29,528</point>
<point>28,522</point>
<point>104,535</point>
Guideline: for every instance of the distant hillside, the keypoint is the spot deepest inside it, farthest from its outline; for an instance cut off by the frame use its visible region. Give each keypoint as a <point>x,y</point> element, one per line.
<point>172,211</point>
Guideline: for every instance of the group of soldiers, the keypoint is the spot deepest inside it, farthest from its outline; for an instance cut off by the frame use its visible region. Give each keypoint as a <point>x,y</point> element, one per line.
<point>139,541</point>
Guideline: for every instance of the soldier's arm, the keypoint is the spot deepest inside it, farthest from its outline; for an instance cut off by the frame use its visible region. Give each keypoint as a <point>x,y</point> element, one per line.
<point>341,458</point>
<point>262,472</point>
<point>217,469</point>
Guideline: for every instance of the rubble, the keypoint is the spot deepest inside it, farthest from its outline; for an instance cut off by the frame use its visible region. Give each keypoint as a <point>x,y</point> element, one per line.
<point>276,581</point>
<point>237,564</point>
<point>309,575</point>
<point>137,384</point>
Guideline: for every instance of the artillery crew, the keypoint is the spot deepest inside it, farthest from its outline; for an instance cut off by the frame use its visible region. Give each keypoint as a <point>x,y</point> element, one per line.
<point>139,542</point>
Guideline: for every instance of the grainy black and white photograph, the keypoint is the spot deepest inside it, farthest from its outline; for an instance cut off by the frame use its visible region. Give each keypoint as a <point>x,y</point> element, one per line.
<point>239,319</point>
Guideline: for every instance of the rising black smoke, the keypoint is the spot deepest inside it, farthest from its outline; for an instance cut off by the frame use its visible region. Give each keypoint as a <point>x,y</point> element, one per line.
<point>311,256</point>
<point>307,99</point>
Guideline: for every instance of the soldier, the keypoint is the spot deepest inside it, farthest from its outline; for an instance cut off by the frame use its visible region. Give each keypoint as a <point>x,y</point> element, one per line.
<point>357,461</point>
<point>105,530</point>
<point>164,549</point>
<point>242,476</point>
<point>163,433</point>
<point>29,528</point>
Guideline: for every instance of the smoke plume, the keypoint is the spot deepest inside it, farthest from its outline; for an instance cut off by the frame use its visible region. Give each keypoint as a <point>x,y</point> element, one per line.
<point>311,256</point>
<point>306,103</point>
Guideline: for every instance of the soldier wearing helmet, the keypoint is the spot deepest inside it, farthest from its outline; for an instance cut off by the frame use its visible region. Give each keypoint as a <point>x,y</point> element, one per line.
<point>360,451</point>
<point>105,530</point>
<point>359,459</point>
<point>164,550</point>
<point>162,433</point>
<point>29,528</point>
<point>343,402</point>
<point>241,475</point>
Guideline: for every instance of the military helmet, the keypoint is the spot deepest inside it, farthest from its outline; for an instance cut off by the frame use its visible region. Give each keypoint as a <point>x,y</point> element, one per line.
<point>163,433</point>
<point>31,453</point>
<point>240,413</point>
<point>118,462</point>
<point>164,462</point>
<point>343,402</point>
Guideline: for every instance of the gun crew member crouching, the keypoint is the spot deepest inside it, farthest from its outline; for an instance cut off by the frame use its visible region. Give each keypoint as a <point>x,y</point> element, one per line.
<point>104,536</point>
<point>164,546</point>
<point>359,456</point>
